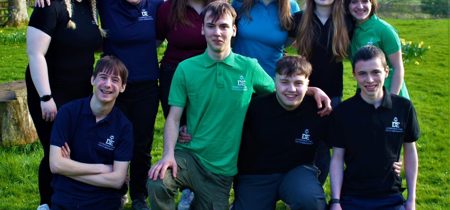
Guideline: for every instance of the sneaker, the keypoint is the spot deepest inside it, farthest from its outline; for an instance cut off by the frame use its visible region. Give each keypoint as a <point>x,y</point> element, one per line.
<point>43,207</point>
<point>186,199</point>
<point>139,204</point>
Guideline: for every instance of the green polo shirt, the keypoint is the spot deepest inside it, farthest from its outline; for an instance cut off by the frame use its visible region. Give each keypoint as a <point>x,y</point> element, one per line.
<point>381,34</point>
<point>216,95</point>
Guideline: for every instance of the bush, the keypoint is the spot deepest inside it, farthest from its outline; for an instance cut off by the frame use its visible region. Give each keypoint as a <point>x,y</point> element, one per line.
<point>436,8</point>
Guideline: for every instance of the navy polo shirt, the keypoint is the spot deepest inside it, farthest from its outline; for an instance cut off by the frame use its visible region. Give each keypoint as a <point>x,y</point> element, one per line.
<point>131,36</point>
<point>103,142</point>
<point>372,139</point>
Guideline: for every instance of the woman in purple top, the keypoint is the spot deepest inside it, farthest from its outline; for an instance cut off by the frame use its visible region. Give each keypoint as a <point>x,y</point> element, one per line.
<point>180,23</point>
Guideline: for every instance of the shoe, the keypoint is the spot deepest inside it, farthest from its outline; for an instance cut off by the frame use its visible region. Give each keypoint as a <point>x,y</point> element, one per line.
<point>139,204</point>
<point>43,207</point>
<point>186,199</point>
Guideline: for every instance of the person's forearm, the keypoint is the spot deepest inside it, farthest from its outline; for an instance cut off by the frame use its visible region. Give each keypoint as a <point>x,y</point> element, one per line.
<point>171,129</point>
<point>411,161</point>
<point>399,72</point>
<point>110,180</point>
<point>68,167</point>
<point>39,74</point>
<point>336,172</point>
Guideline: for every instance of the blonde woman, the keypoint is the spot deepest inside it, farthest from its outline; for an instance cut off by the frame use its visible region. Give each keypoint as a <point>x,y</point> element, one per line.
<point>61,40</point>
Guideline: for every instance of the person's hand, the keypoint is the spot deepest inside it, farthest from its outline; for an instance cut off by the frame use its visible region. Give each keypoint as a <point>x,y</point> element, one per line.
<point>183,135</point>
<point>322,100</point>
<point>48,109</point>
<point>41,3</point>
<point>159,169</point>
<point>335,206</point>
<point>65,151</point>
<point>397,167</point>
<point>410,204</point>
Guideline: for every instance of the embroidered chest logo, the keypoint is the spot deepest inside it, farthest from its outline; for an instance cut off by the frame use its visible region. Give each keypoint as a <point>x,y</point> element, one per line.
<point>110,141</point>
<point>305,138</point>
<point>370,42</point>
<point>108,144</point>
<point>240,85</point>
<point>145,15</point>
<point>395,126</point>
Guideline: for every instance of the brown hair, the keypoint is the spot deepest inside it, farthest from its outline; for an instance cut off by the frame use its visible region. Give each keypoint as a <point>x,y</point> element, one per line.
<point>284,10</point>
<point>178,11</point>
<point>293,65</point>
<point>111,65</point>
<point>218,9</point>
<point>306,33</point>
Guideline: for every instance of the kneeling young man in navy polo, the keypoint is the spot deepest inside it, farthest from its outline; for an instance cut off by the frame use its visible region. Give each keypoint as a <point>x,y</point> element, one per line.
<point>367,133</point>
<point>91,144</point>
<point>280,136</point>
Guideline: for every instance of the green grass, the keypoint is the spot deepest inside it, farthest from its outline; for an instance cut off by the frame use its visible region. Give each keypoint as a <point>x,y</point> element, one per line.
<point>428,84</point>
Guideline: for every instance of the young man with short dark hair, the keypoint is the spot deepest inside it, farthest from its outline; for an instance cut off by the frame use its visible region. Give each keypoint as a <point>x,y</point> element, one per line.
<point>214,89</point>
<point>281,134</point>
<point>367,133</point>
<point>91,144</point>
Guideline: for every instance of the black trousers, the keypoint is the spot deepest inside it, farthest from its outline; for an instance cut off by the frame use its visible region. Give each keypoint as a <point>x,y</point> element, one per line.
<point>140,103</point>
<point>61,95</point>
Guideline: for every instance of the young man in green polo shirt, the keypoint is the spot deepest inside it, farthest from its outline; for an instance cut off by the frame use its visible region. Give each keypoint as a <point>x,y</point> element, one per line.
<point>215,89</point>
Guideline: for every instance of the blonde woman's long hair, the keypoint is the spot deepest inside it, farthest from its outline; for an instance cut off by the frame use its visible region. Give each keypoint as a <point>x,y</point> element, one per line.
<point>306,33</point>
<point>284,10</point>
<point>73,25</point>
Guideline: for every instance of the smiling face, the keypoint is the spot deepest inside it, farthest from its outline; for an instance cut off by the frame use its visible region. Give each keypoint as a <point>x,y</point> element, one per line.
<point>218,33</point>
<point>324,3</point>
<point>370,75</point>
<point>107,87</point>
<point>290,90</point>
<point>360,9</point>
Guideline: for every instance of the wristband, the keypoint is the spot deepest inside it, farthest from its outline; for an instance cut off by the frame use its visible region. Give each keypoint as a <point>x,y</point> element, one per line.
<point>334,200</point>
<point>46,98</point>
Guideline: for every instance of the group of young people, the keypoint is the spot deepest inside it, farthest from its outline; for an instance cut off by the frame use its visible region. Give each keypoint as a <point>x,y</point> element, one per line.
<point>218,134</point>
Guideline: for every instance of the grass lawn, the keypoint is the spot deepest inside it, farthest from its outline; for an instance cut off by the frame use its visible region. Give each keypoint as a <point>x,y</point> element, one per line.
<point>428,84</point>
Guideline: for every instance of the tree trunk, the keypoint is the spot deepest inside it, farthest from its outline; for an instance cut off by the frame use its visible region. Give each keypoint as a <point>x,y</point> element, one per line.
<point>18,14</point>
<point>16,125</point>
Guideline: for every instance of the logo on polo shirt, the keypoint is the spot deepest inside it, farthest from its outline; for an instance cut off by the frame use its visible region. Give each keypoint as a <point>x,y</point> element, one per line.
<point>145,15</point>
<point>108,144</point>
<point>240,84</point>
<point>395,126</point>
<point>304,138</point>
<point>370,42</point>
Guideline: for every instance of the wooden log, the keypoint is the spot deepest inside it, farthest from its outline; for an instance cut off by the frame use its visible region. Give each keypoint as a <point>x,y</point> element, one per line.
<point>16,125</point>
